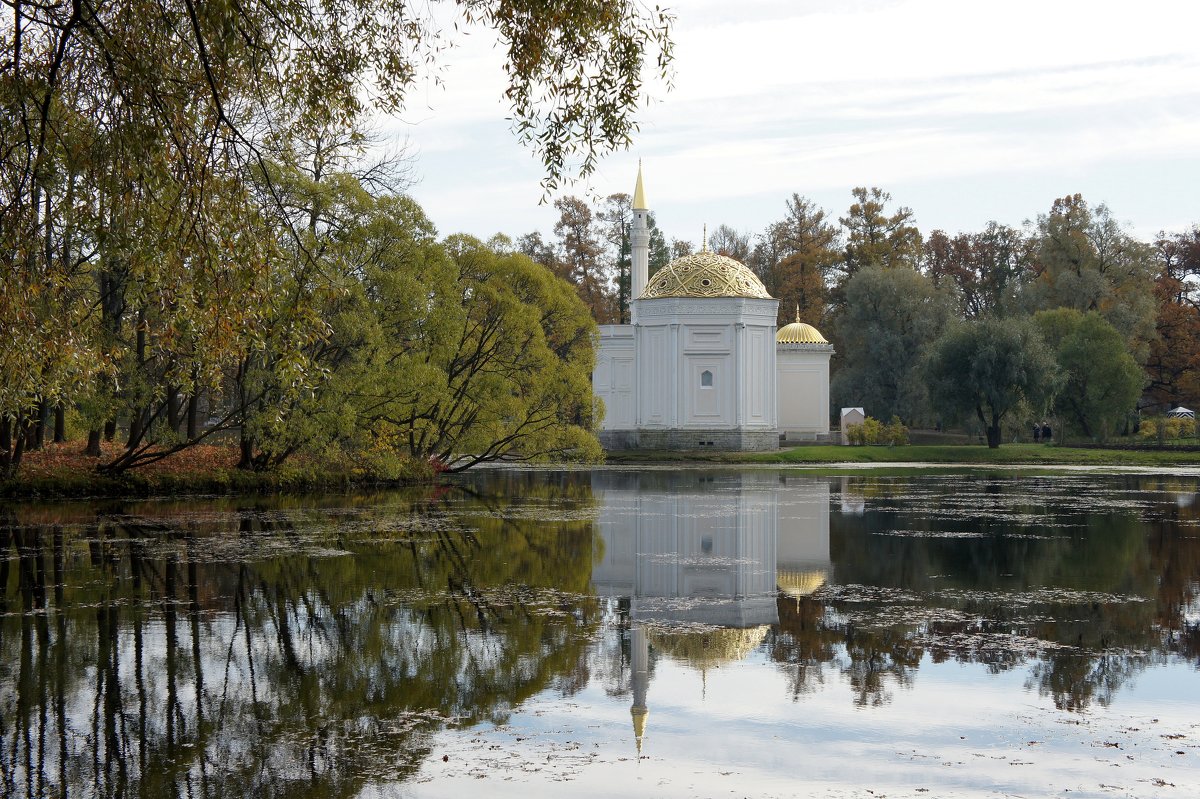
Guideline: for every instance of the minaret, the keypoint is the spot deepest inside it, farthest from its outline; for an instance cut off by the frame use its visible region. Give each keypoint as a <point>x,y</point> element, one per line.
<point>639,245</point>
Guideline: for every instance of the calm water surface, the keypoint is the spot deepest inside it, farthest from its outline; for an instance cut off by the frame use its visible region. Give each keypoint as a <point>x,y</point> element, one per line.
<point>593,633</point>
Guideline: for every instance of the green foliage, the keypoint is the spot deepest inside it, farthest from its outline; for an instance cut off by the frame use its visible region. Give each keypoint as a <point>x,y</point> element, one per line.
<point>874,238</point>
<point>990,368</point>
<point>165,208</point>
<point>1101,380</point>
<point>874,432</point>
<point>1166,427</point>
<point>883,334</point>
<point>1086,262</point>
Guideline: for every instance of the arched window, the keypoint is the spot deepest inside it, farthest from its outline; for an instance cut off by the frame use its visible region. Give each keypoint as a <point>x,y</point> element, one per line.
<point>706,379</point>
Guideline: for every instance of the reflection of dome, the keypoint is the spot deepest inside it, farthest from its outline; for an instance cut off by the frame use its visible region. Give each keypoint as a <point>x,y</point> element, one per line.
<point>704,274</point>
<point>797,584</point>
<point>710,648</point>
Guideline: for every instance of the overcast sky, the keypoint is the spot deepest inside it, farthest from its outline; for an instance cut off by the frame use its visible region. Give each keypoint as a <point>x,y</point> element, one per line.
<point>964,111</point>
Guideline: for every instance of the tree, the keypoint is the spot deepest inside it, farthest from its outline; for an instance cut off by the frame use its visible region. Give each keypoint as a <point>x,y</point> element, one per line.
<point>990,367</point>
<point>875,239</point>
<point>795,259</point>
<point>496,364</point>
<point>1085,261</point>
<point>726,241</point>
<point>134,167</point>
<point>988,270</point>
<point>659,254</point>
<point>1174,363</point>
<point>581,257</point>
<point>680,248</point>
<point>890,317</point>
<point>1101,381</point>
<point>617,216</point>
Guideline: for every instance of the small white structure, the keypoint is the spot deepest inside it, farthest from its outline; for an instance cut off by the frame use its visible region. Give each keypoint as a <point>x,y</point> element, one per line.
<point>802,356</point>
<point>698,367</point>
<point>851,416</point>
<point>1181,413</point>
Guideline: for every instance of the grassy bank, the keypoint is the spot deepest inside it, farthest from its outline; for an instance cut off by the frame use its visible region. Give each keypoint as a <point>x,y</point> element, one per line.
<point>62,470</point>
<point>1016,454</point>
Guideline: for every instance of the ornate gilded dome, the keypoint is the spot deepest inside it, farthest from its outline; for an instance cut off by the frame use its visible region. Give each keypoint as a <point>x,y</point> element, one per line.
<point>799,333</point>
<point>704,274</point>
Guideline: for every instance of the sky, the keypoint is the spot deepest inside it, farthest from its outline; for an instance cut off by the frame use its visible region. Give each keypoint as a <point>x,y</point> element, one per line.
<point>965,112</point>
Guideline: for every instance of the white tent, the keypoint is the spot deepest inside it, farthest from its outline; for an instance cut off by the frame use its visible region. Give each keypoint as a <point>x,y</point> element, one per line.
<point>1181,413</point>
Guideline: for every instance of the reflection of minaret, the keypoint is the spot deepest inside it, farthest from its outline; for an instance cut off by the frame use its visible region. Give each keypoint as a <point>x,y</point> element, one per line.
<point>640,655</point>
<point>695,554</point>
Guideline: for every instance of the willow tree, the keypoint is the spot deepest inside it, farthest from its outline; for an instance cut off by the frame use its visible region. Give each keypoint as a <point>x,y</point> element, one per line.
<point>492,361</point>
<point>991,368</point>
<point>130,131</point>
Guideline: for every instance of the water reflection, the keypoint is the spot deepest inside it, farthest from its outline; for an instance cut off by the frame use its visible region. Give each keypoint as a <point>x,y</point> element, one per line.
<point>318,647</point>
<point>275,649</point>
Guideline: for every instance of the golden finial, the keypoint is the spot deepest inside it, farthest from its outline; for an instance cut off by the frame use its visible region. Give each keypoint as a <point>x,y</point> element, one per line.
<point>639,194</point>
<point>704,239</point>
<point>797,313</point>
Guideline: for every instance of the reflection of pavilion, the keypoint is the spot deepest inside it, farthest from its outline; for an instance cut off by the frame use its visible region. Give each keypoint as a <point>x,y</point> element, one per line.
<point>695,555</point>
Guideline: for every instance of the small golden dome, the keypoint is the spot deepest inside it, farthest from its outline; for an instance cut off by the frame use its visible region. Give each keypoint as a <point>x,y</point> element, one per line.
<point>799,333</point>
<point>705,274</point>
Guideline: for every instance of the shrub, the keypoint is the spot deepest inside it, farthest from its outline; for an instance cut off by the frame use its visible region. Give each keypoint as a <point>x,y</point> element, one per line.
<point>1166,427</point>
<point>874,432</point>
<point>895,433</point>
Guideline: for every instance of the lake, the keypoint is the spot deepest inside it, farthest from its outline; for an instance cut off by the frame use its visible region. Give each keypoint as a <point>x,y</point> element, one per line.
<point>593,632</point>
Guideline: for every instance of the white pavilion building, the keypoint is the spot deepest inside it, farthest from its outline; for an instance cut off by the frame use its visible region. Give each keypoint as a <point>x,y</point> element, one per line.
<point>702,365</point>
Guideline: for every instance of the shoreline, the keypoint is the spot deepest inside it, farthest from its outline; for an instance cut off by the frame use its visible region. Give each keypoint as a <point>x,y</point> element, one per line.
<point>71,480</point>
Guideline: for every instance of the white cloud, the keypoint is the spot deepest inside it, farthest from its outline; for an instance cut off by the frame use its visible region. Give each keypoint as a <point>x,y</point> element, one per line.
<point>773,97</point>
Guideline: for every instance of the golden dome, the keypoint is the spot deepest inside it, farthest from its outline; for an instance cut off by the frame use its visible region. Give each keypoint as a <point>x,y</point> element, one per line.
<point>799,333</point>
<point>704,274</point>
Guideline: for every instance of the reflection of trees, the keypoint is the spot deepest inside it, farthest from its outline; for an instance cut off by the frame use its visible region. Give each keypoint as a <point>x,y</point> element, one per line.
<point>985,598</point>
<point>175,654</point>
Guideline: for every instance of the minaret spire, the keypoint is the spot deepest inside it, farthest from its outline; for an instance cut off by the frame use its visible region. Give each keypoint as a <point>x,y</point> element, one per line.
<point>639,246</point>
<point>704,239</point>
<point>639,193</point>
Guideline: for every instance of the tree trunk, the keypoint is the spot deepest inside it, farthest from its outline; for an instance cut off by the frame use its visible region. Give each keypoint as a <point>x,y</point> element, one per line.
<point>60,424</point>
<point>193,411</point>
<point>135,430</point>
<point>93,445</point>
<point>993,436</point>
<point>110,429</point>
<point>247,460</point>
<point>173,403</point>
<point>38,439</point>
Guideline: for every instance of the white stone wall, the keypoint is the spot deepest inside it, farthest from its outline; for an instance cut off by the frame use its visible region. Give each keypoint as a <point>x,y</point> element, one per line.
<point>614,380</point>
<point>706,364</point>
<point>803,389</point>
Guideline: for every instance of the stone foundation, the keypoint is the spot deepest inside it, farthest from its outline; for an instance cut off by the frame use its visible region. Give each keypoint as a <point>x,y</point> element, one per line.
<point>678,440</point>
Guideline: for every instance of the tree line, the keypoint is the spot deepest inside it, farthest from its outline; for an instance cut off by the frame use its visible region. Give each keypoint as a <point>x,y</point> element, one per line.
<point>1069,317</point>
<point>191,242</point>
